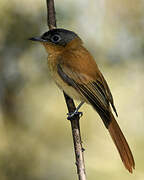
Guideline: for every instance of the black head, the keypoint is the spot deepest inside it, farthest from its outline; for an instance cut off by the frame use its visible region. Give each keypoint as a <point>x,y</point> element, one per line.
<point>57,36</point>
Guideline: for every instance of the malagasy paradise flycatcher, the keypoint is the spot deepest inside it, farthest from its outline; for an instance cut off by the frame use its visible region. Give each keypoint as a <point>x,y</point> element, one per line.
<point>76,73</point>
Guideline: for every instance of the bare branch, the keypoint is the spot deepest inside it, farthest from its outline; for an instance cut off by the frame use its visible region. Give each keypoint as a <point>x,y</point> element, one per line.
<point>51,21</point>
<point>76,139</point>
<point>51,18</point>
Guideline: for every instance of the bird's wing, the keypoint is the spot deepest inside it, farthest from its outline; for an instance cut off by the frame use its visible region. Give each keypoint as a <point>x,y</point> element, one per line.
<point>108,92</point>
<point>92,90</point>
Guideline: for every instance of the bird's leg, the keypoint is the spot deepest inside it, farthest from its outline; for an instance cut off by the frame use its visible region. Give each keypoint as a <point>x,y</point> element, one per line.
<point>76,112</point>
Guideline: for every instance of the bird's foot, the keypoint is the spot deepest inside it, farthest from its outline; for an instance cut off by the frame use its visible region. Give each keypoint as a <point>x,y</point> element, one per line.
<point>73,114</point>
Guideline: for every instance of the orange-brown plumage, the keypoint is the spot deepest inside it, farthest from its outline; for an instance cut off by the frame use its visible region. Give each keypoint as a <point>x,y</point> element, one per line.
<point>76,72</point>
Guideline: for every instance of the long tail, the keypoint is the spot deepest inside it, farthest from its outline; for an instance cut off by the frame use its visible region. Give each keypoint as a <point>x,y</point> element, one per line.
<point>121,144</point>
<point>115,132</point>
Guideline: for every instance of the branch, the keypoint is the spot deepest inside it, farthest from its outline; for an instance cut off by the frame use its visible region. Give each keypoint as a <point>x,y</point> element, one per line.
<point>51,18</point>
<point>51,21</point>
<point>76,139</point>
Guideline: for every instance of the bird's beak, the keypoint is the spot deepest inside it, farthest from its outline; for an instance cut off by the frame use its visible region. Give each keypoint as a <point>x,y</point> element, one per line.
<point>37,39</point>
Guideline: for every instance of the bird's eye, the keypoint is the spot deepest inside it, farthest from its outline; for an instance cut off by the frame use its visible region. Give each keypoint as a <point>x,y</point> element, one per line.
<point>56,38</point>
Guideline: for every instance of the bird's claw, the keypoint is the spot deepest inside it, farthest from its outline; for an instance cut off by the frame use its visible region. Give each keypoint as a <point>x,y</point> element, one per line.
<point>75,113</point>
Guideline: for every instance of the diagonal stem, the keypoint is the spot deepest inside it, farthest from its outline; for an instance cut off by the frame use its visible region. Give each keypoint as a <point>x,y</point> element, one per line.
<point>76,139</point>
<point>51,21</point>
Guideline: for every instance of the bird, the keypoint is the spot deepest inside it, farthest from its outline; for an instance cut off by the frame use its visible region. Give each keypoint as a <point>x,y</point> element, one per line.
<point>75,71</point>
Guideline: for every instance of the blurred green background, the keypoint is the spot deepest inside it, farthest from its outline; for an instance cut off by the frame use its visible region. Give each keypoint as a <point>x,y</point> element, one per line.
<point>35,137</point>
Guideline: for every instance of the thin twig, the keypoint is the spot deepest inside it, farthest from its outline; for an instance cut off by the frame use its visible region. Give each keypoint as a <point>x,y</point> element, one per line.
<point>51,21</point>
<point>51,18</point>
<point>76,139</point>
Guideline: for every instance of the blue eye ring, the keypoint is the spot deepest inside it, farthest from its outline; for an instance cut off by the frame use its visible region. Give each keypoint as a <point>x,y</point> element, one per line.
<point>55,38</point>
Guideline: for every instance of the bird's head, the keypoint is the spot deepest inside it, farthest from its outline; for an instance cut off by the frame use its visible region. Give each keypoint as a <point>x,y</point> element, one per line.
<point>58,39</point>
